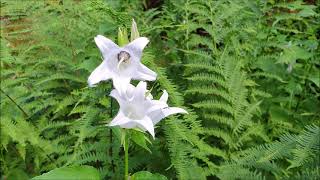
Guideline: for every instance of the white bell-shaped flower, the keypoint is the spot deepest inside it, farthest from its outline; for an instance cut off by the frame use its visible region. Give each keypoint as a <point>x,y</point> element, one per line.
<point>139,110</point>
<point>121,64</point>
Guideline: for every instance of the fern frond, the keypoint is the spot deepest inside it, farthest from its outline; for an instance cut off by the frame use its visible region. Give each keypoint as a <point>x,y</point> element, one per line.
<point>308,146</point>
<point>212,104</point>
<point>221,118</point>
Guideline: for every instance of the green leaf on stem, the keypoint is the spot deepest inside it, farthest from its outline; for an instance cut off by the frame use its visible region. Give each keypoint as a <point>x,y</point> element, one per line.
<point>71,173</point>
<point>145,175</point>
<point>140,139</point>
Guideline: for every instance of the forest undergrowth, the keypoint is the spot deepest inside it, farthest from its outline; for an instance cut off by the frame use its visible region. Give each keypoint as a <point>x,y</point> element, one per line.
<point>247,72</point>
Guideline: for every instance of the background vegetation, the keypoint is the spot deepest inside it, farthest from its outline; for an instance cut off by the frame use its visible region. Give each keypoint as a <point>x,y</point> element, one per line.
<point>246,71</point>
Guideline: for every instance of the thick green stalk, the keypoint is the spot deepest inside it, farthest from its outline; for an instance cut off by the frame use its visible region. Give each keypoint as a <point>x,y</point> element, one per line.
<point>126,157</point>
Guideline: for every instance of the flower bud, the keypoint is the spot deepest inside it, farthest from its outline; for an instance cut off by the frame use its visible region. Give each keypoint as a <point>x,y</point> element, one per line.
<point>122,37</point>
<point>134,31</point>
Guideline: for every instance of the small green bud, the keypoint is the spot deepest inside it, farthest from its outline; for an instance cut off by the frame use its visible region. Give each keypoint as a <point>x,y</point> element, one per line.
<point>122,37</point>
<point>134,31</point>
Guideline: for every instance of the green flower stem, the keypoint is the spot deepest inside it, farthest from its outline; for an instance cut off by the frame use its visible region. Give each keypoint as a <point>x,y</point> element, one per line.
<point>126,157</point>
<point>110,133</point>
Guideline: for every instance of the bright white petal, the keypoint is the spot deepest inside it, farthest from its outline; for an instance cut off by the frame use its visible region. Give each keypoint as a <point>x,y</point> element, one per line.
<point>156,106</point>
<point>130,124</point>
<point>145,74</point>
<point>138,44</point>
<point>164,96</point>
<point>121,84</point>
<point>101,73</point>
<point>104,44</point>
<point>146,124</point>
<point>140,92</point>
<point>173,110</point>
<point>156,116</point>
<point>119,120</point>
<point>130,92</point>
<point>115,94</point>
<point>149,95</point>
<point>128,95</point>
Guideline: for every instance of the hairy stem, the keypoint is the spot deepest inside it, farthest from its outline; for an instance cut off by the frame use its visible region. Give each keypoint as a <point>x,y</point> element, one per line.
<point>110,134</point>
<point>126,157</point>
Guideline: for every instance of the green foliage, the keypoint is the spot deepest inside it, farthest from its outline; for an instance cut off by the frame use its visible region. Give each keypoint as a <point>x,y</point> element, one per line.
<point>139,139</point>
<point>74,172</point>
<point>56,119</point>
<point>145,175</point>
<point>247,66</point>
<point>247,72</point>
<point>292,148</point>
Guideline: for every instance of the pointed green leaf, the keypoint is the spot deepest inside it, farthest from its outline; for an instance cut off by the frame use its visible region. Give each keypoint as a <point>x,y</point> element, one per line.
<point>145,175</point>
<point>71,173</point>
<point>140,139</point>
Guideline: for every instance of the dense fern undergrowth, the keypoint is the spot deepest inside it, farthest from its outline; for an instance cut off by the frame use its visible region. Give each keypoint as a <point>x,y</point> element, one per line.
<point>248,73</point>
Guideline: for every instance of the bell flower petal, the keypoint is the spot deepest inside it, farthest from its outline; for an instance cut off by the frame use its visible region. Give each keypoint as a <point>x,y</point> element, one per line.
<point>119,120</point>
<point>156,116</point>
<point>104,44</point>
<point>144,73</point>
<point>139,92</point>
<point>121,83</point>
<point>101,73</point>
<point>121,64</point>
<point>146,124</point>
<point>173,110</point>
<point>115,94</point>
<point>164,96</point>
<point>138,44</point>
<point>139,110</point>
<point>157,105</point>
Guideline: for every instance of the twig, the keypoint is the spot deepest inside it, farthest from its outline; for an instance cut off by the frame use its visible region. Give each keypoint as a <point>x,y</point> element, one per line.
<point>21,109</point>
<point>110,134</point>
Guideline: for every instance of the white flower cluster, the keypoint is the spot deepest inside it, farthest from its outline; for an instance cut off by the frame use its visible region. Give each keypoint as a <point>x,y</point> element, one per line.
<point>121,64</point>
